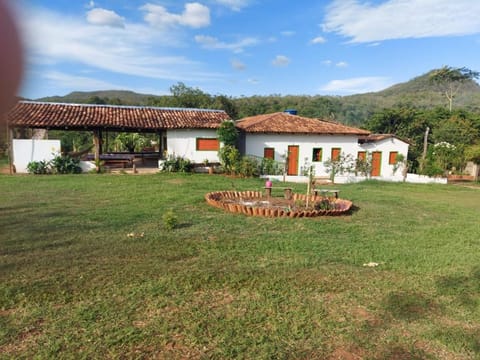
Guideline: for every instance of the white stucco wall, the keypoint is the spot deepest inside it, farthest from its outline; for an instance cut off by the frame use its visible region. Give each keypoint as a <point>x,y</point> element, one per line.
<point>183,142</point>
<point>25,151</point>
<point>386,146</point>
<point>255,144</point>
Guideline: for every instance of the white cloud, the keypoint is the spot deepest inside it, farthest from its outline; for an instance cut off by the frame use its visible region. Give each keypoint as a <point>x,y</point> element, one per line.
<point>253,81</point>
<point>235,5</point>
<point>195,15</point>
<point>125,51</point>
<point>91,4</point>
<point>281,60</point>
<point>238,65</point>
<point>288,33</point>
<point>356,85</point>
<point>212,43</point>
<point>327,62</point>
<point>105,17</point>
<point>341,64</point>
<point>66,81</point>
<point>363,21</point>
<point>318,40</point>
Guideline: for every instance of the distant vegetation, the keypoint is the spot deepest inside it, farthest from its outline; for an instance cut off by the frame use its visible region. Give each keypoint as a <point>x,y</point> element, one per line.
<point>419,92</point>
<point>405,109</point>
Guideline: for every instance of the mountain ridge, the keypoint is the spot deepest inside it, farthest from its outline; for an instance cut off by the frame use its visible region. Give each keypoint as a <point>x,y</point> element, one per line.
<point>351,109</point>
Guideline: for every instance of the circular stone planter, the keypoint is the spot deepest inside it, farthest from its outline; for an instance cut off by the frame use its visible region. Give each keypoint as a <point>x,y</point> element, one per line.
<point>254,203</point>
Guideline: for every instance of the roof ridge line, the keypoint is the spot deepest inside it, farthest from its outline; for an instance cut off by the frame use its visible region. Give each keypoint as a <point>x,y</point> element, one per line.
<point>121,106</point>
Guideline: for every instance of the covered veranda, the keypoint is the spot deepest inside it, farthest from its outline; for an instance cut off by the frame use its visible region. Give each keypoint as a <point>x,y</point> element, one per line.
<point>102,120</point>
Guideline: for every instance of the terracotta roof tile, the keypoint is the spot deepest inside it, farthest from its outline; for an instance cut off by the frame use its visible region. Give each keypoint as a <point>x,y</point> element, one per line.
<point>285,123</point>
<point>82,116</point>
<point>380,137</point>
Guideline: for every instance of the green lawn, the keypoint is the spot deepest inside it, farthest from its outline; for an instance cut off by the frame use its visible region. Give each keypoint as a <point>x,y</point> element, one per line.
<point>73,284</point>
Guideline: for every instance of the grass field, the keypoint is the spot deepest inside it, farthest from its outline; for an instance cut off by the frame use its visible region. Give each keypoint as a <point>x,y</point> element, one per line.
<point>73,284</point>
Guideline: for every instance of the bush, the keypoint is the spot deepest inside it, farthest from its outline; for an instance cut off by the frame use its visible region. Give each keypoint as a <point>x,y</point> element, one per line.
<point>177,164</point>
<point>170,220</point>
<point>270,167</point>
<point>229,158</point>
<point>38,167</point>
<point>58,165</point>
<point>248,167</point>
<point>65,165</point>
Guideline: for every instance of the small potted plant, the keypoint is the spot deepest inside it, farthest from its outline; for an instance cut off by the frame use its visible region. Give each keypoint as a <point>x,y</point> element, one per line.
<point>206,163</point>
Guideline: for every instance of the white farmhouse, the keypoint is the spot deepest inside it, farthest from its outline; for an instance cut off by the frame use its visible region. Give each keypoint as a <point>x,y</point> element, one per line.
<point>301,141</point>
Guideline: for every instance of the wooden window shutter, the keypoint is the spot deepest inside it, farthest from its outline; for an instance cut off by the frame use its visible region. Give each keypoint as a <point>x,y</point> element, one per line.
<point>269,153</point>
<point>336,153</point>
<point>392,158</point>
<point>208,145</point>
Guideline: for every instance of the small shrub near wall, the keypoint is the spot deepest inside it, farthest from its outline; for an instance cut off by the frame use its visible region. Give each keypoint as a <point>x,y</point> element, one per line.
<point>58,165</point>
<point>177,164</point>
<point>38,167</point>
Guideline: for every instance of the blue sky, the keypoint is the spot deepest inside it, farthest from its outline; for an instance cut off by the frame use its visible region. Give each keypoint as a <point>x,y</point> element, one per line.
<point>242,47</point>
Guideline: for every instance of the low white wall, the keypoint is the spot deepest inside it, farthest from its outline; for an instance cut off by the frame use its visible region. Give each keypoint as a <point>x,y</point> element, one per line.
<point>25,151</point>
<point>348,179</point>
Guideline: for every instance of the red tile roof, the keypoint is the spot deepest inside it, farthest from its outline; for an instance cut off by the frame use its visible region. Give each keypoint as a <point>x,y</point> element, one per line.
<point>285,123</point>
<point>83,116</point>
<point>380,137</point>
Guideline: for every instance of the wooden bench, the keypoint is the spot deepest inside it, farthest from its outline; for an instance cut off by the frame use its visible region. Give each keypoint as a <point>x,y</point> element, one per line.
<point>114,160</point>
<point>326,192</point>
<point>287,192</point>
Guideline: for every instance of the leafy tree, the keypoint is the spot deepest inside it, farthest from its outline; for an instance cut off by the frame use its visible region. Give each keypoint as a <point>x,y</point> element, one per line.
<point>450,79</point>
<point>222,102</point>
<point>229,158</point>
<point>130,141</point>
<point>227,133</point>
<point>472,153</point>
<point>364,165</point>
<point>188,97</point>
<point>340,165</point>
<point>455,130</point>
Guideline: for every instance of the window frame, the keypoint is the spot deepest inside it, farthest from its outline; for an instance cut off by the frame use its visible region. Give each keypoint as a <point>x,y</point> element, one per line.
<point>394,160</point>
<point>269,149</point>
<point>339,153</point>
<point>315,151</point>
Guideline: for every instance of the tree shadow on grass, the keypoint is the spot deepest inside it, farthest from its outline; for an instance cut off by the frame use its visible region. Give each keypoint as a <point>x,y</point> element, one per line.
<point>464,288</point>
<point>354,209</point>
<point>409,306</point>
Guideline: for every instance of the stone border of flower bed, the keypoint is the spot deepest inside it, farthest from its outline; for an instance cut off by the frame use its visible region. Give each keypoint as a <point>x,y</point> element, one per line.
<point>218,198</point>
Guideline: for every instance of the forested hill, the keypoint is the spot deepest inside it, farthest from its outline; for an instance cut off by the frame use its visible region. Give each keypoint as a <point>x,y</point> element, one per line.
<point>353,110</point>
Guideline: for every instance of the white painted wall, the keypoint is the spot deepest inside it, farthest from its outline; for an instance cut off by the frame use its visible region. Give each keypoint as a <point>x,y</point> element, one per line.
<point>386,146</point>
<point>25,151</point>
<point>182,142</point>
<point>255,144</point>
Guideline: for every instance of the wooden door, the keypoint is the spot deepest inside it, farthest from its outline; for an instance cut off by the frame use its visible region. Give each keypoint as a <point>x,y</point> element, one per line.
<point>336,153</point>
<point>376,163</point>
<point>292,160</point>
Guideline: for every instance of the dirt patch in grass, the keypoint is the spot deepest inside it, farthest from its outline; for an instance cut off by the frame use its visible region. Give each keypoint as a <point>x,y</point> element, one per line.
<point>175,181</point>
<point>347,354</point>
